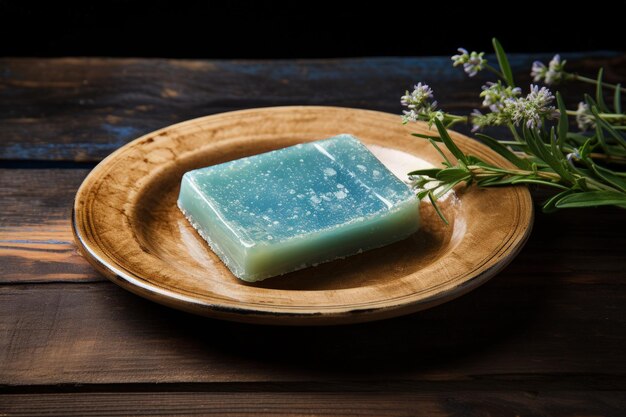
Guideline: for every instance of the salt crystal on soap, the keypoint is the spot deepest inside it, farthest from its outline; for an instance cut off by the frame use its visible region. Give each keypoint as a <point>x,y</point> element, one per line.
<point>273,213</point>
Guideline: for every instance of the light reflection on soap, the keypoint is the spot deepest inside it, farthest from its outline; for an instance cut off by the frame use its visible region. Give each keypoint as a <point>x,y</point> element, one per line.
<point>401,163</point>
<point>398,162</point>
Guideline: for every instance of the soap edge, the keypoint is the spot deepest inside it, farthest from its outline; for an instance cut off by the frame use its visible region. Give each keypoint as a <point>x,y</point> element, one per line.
<point>415,223</point>
<point>216,248</point>
<point>232,261</point>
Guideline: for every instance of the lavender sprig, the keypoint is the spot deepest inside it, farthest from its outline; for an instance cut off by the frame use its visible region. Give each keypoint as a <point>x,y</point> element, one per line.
<point>421,107</point>
<point>554,73</point>
<point>544,151</point>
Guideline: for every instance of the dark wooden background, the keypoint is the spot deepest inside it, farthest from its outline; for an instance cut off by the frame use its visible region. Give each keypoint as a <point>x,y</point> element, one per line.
<point>546,337</point>
<point>302,29</point>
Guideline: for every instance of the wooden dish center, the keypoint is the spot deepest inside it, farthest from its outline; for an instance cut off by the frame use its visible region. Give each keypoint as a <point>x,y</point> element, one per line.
<point>163,231</point>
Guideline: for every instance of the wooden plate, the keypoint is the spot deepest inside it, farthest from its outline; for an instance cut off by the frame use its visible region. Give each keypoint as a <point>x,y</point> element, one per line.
<point>127,224</point>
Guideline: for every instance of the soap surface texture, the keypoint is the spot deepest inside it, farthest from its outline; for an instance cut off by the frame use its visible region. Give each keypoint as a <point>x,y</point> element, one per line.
<point>277,212</point>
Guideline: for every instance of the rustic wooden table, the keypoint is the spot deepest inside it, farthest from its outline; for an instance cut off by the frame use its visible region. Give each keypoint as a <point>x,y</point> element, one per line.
<point>547,336</point>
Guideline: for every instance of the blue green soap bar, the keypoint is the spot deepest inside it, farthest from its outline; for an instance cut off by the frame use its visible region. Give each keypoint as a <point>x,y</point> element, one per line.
<point>269,214</point>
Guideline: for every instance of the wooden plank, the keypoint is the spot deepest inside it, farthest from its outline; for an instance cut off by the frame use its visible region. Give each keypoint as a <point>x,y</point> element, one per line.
<point>98,333</point>
<point>423,403</point>
<point>36,243</point>
<point>81,109</point>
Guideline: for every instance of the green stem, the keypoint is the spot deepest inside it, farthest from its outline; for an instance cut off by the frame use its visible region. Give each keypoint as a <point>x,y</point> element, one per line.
<point>516,135</point>
<point>479,170</point>
<point>453,122</point>
<point>456,117</point>
<point>576,77</point>
<point>495,71</point>
<point>605,116</point>
<point>451,118</point>
<point>483,172</point>
<point>593,184</point>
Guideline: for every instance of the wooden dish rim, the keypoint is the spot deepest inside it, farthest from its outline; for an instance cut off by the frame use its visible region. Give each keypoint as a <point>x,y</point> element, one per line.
<point>276,314</point>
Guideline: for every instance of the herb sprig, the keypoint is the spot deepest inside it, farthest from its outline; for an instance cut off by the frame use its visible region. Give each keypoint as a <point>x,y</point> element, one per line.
<point>584,167</point>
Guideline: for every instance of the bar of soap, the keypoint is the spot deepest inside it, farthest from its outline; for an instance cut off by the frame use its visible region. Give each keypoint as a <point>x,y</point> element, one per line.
<point>277,212</point>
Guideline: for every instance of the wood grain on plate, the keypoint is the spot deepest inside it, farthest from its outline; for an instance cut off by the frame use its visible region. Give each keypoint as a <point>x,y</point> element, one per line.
<point>127,222</point>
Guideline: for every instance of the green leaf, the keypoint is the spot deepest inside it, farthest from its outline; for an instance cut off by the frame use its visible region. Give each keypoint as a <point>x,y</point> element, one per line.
<point>590,101</point>
<point>430,172</point>
<point>592,199</point>
<point>474,160</point>
<point>445,188</point>
<point>600,137</point>
<point>422,136</point>
<point>447,140</point>
<point>556,151</point>
<point>498,180</point>
<point>617,99</point>
<point>453,174</point>
<point>563,122</point>
<point>550,205</point>
<point>610,177</point>
<point>422,193</point>
<point>504,151</point>
<point>526,180</point>
<point>587,148</point>
<point>555,157</point>
<point>599,94</point>
<point>580,176</point>
<point>438,149</point>
<point>540,149</point>
<point>503,61</point>
<point>436,207</point>
<point>580,184</point>
<point>607,126</point>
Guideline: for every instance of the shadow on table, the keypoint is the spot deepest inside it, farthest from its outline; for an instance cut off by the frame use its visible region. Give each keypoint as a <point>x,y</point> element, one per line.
<point>506,311</point>
<point>505,317</point>
<point>447,334</point>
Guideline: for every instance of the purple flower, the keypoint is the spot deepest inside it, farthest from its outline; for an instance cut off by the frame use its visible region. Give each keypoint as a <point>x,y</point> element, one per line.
<point>472,62</point>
